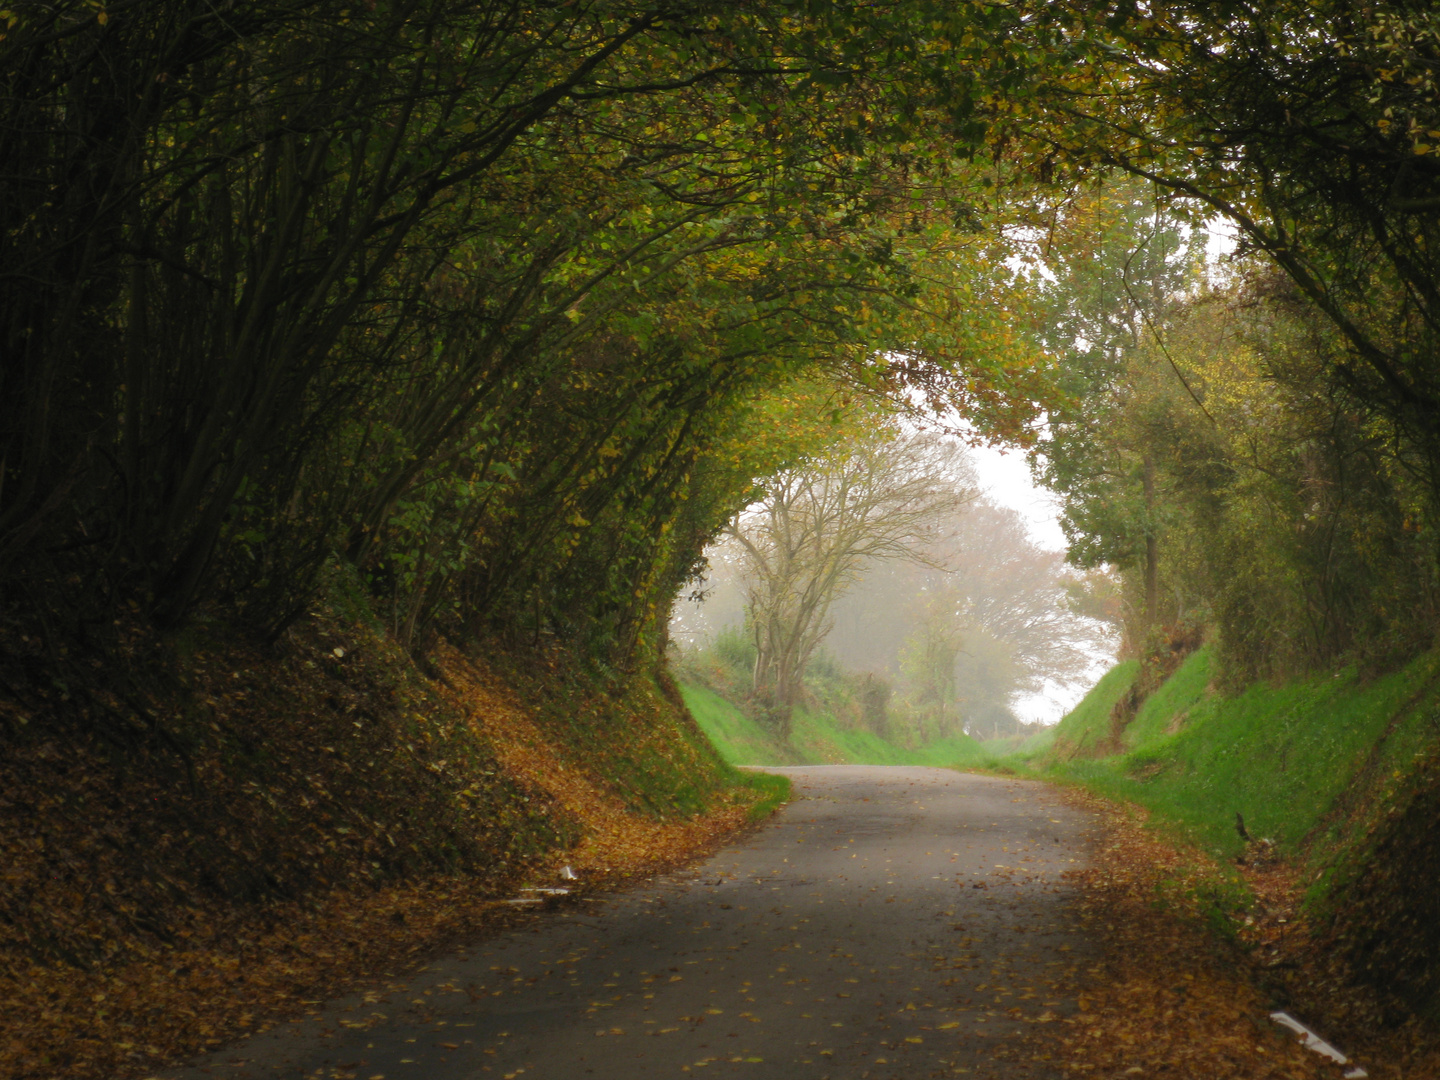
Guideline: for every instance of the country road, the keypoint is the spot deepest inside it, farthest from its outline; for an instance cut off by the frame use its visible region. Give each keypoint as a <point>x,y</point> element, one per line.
<point>891,922</point>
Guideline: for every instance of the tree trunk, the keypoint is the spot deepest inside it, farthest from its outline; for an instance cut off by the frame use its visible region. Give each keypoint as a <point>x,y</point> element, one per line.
<point>1152,547</point>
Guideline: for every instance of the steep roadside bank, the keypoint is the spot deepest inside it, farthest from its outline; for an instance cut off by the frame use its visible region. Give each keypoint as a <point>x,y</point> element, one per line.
<point>259,827</point>
<point>1329,904</point>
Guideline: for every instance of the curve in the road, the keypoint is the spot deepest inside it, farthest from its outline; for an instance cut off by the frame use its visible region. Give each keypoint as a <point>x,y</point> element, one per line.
<point>896,922</point>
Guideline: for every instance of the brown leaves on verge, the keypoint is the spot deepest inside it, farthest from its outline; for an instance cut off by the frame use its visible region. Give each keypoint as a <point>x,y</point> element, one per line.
<point>167,975</point>
<point>615,843</point>
<point>1174,998</point>
<point>1168,998</point>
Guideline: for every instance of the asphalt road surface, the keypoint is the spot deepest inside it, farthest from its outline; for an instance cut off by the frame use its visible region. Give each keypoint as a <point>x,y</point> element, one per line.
<point>891,922</point>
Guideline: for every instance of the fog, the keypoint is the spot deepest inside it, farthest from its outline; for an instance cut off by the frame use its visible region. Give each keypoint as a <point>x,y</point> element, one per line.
<point>1029,634</point>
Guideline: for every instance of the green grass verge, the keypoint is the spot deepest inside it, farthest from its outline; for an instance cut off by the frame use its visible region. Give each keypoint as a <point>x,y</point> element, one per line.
<point>774,791</point>
<point>1169,706</point>
<point>1087,725</point>
<point>738,738</point>
<point>956,751</point>
<point>816,739</point>
<point>1300,760</point>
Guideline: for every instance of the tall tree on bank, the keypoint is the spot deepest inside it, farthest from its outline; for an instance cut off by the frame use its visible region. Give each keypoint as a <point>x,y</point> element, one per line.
<point>1116,263</point>
<point>1310,128</point>
<point>818,526</point>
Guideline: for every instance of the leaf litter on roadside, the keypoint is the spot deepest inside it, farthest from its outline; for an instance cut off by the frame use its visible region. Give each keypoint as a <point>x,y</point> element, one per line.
<point>1176,992</point>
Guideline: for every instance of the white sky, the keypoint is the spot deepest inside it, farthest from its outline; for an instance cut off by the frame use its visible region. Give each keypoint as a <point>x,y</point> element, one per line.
<point>1005,479</point>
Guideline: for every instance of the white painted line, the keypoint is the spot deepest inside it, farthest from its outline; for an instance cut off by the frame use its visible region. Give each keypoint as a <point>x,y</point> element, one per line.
<point>1317,1044</point>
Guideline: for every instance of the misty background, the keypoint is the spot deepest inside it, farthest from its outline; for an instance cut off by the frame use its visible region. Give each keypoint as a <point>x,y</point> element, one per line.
<point>991,633</point>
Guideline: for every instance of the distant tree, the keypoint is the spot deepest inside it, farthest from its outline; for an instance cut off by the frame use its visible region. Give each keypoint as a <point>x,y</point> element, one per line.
<point>883,497</point>
<point>1013,609</point>
<point>985,615</point>
<point>927,662</point>
<point>1018,592</point>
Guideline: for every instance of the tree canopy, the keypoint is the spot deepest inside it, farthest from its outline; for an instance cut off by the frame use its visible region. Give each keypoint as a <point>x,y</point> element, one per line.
<point>501,303</point>
<point>480,298</point>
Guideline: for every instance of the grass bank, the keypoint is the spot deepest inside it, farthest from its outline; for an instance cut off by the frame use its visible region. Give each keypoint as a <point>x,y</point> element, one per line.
<point>817,738</point>
<point>1297,760</point>
<point>1339,770</point>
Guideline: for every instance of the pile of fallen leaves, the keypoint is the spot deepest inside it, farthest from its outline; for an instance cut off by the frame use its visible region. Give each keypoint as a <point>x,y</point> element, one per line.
<point>615,841</point>
<point>314,816</point>
<point>1192,967</point>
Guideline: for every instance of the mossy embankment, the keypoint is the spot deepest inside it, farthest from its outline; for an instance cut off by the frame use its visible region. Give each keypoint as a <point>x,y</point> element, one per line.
<point>1339,770</point>
<point>206,834</point>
